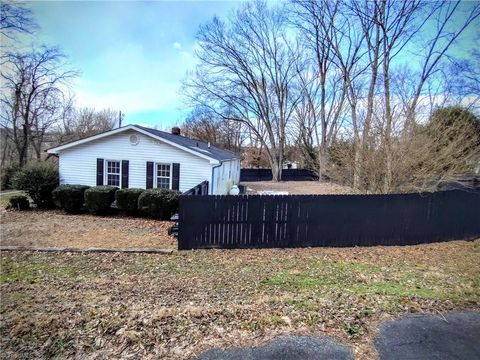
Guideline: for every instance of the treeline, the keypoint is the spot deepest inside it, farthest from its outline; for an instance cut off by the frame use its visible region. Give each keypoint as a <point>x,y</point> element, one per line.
<point>37,107</point>
<point>380,95</point>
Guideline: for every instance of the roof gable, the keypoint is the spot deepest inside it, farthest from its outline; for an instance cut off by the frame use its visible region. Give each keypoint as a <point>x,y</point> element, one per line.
<point>195,145</point>
<point>192,146</point>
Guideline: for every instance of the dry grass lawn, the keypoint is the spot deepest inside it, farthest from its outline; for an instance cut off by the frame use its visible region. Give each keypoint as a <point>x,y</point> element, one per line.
<point>298,187</point>
<point>56,229</point>
<point>74,305</point>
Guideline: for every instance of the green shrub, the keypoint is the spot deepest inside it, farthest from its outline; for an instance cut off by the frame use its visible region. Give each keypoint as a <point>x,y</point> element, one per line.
<point>127,199</point>
<point>38,180</point>
<point>98,199</point>
<point>159,203</point>
<point>18,202</point>
<point>69,197</point>
<point>7,176</point>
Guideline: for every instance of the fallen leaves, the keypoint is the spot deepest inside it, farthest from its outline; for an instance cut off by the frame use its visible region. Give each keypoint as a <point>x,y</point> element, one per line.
<point>174,306</point>
<point>56,229</point>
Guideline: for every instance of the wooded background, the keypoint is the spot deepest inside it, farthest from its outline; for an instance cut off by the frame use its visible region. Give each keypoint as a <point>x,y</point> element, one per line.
<point>374,94</point>
<point>378,95</point>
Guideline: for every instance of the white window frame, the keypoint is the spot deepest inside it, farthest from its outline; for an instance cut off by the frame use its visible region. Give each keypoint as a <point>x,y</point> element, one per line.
<point>155,182</point>
<point>106,173</point>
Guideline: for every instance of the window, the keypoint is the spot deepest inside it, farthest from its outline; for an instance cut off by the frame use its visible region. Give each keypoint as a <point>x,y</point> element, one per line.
<point>113,172</point>
<point>163,176</point>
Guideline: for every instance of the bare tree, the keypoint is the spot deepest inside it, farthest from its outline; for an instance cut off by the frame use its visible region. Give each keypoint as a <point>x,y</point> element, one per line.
<point>441,15</point>
<point>247,73</point>
<point>397,25</point>
<point>15,18</point>
<point>77,123</point>
<point>204,125</point>
<point>323,90</point>
<point>464,78</point>
<point>347,41</point>
<point>335,80</point>
<point>33,83</point>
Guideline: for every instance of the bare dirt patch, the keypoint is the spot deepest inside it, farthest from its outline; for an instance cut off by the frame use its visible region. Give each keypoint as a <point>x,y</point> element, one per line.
<point>298,187</point>
<point>174,306</point>
<point>56,229</point>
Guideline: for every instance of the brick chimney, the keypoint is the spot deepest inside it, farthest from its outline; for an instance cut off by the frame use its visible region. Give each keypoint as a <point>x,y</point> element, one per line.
<point>175,130</point>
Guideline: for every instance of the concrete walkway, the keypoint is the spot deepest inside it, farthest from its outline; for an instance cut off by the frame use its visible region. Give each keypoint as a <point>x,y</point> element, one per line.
<point>455,336</point>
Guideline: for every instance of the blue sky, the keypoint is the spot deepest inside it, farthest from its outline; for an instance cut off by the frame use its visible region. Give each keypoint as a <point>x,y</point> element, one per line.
<point>132,55</point>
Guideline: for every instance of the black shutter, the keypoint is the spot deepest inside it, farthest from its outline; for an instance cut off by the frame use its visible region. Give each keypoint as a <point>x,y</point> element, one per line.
<point>99,172</point>
<point>176,176</point>
<point>124,174</point>
<point>149,175</point>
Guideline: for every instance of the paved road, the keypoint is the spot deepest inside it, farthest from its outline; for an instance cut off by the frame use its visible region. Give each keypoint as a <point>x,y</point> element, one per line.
<point>285,348</point>
<point>455,336</point>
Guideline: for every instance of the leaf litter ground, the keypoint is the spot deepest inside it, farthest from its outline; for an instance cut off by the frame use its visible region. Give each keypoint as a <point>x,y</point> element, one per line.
<point>174,306</point>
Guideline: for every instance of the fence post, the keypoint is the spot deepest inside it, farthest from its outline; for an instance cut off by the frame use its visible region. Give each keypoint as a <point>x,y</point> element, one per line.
<point>182,225</point>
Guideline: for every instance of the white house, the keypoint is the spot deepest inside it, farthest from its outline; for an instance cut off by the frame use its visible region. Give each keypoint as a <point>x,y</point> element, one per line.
<point>140,157</point>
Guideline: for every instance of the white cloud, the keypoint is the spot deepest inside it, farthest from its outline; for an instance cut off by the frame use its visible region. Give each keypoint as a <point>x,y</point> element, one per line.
<point>177,45</point>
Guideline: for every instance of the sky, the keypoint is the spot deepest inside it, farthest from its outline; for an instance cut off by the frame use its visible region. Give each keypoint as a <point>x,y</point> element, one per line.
<point>132,56</point>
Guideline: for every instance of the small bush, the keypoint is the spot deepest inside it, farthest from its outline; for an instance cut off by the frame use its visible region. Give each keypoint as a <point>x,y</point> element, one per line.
<point>38,180</point>
<point>99,198</point>
<point>7,176</point>
<point>159,203</point>
<point>127,199</point>
<point>18,202</point>
<point>70,198</point>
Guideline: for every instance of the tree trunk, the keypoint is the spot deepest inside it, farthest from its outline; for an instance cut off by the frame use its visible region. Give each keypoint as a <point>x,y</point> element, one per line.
<point>276,163</point>
<point>388,128</point>
<point>276,172</point>
<point>22,146</point>
<point>364,141</point>
<point>322,161</point>
<point>357,163</point>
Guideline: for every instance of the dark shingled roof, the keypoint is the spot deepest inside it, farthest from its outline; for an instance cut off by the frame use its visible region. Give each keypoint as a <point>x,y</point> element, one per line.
<point>195,145</point>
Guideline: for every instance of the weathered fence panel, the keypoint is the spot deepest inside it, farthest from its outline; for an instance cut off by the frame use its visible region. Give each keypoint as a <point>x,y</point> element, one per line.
<point>255,221</point>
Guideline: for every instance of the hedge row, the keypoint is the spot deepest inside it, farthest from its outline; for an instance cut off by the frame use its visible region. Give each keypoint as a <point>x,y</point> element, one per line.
<point>155,203</point>
<point>40,181</point>
<point>69,197</point>
<point>99,199</point>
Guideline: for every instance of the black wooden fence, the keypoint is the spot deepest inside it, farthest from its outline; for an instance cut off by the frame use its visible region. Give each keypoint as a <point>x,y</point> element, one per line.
<point>200,189</point>
<point>255,221</point>
<point>287,175</point>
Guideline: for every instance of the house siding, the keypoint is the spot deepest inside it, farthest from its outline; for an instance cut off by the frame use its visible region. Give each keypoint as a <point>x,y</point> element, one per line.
<point>77,165</point>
